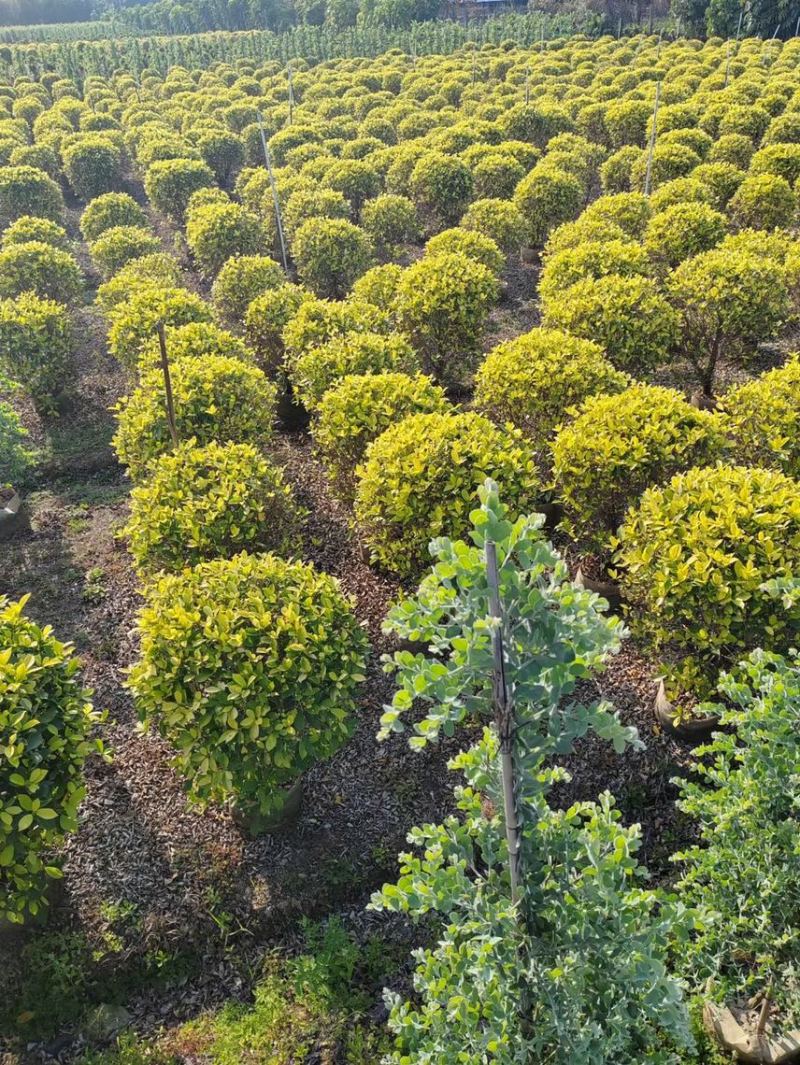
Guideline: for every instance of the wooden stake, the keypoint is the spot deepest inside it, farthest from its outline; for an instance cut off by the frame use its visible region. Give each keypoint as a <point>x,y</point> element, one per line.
<point>162,343</point>
<point>648,177</point>
<point>504,720</point>
<point>274,188</point>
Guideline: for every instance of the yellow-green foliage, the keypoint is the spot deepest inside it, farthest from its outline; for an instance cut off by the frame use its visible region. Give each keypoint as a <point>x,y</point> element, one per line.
<point>357,409</point>
<point>92,165</point>
<point>534,380</point>
<point>763,418</point>
<point>590,260</point>
<point>693,558</point>
<point>617,446</point>
<point>201,503</point>
<point>119,245</point>
<point>498,219</point>
<point>28,228</point>
<point>378,286</point>
<point>26,190</point>
<point>286,654</point>
<point>159,270</point>
<point>133,323</point>
<point>45,721</point>
<point>217,231</point>
<point>265,320</point>
<point>169,183</point>
<point>763,201</point>
<point>36,345</point>
<point>627,316</point>
<point>108,211</point>
<point>545,198</point>
<point>241,279</point>
<point>318,369</point>
<point>419,480</point>
<point>40,268</point>
<point>442,187</point>
<point>331,253</point>
<point>729,301</point>
<point>442,304</point>
<point>683,230</point>
<point>631,211</point>
<point>318,321</point>
<point>390,220</point>
<point>194,339</point>
<point>216,398</point>
<point>466,242</point>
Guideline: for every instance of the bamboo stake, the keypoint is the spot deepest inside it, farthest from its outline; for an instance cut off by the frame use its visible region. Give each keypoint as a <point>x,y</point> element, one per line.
<point>527,85</point>
<point>504,719</point>
<point>652,145</point>
<point>162,343</point>
<point>739,27</point>
<point>727,64</point>
<point>291,92</point>
<point>274,188</point>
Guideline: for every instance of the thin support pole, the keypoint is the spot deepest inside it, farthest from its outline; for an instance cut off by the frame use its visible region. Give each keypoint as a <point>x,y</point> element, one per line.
<point>291,92</point>
<point>739,27</point>
<point>727,64</point>
<point>504,720</point>
<point>648,177</point>
<point>527,85</point>
<point>162,343</point>
<point>275,200</point>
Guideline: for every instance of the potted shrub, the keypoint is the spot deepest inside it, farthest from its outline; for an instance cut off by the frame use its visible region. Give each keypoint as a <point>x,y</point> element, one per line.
<point>265,685</point>
<point>45,720</point>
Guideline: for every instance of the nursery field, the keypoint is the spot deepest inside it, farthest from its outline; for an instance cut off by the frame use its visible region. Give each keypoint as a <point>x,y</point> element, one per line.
<point>404,440</point>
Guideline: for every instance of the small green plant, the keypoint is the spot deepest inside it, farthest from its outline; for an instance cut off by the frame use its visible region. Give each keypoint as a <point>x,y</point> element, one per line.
<point>745,787</point>
<point>441,187</point>
<point>390,220</point>
<point>218,231</point>
<point>265,320</point>
<point>681,231</point>
<point>286,655</point>
<point>16,458</point>
<point>546,198</point>
<point>562,962</point>
<point>46,718</point>
<point>763,201</point>
<point>159,271</point>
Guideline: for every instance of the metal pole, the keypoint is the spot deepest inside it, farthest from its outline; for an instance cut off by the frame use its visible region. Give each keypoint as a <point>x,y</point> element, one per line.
<point>162,343</point>
<point>275,200</point>
<point>504,719</point>
<point>651,147</point>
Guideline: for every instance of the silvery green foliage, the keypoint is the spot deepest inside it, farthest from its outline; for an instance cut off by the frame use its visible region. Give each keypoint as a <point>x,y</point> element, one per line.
<point>577,972</point>
<point>744,875</point>
<point>581,978</point>
<point>554,633</point>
